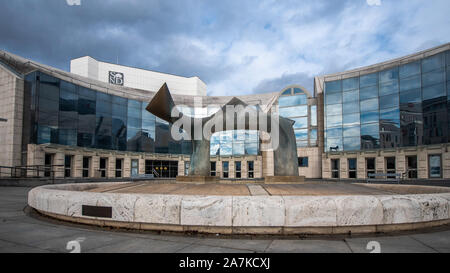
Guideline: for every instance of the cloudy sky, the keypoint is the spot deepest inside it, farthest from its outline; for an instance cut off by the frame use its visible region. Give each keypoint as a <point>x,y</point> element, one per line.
<point>235,47</point>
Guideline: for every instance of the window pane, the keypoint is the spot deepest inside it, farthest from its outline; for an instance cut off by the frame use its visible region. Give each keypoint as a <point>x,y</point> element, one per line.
<point>351,107</point>
<point>434,77</point>
<point>435,91</point>
<point>369,105</point>
<point>333,98</point>
<point>301,134</point>
<point>351,96</point>
<point>370,117</point>
<point>352,144</point>
<point>334,132</point>
<point>370,130</point>
<point>410,83</point>
<point>369,80</point>
<point>353,131</point>
<point>334,142</point>
<point>433,62</point>
<point>351,119</point>
<point>410,69</point>
<point>300,123</point>
<point>368,92</point>
<point>390,115</point>
<point>389,88</point>
<point>333,110</point>
<point>293,100</point>
<point>313,134</point>
<point>412,96</point>
<point>333,121</point>
<point>287,92</point>
<point>389,101</point>
<point>297,111</point>
<point>333,87</point>
<point>313,115</point>
<point>389,75</point>
<point>238,149</point>
<point>350,84</point>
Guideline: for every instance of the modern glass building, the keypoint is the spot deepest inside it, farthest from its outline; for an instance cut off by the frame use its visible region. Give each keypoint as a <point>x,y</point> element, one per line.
<point>391,117</point>
<point>397,106</point>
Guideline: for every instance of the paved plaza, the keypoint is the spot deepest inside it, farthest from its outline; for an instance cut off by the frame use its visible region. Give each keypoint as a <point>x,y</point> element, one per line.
<point>22,233</point>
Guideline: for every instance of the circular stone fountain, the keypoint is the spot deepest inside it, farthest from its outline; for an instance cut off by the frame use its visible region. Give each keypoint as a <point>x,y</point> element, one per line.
<point>309,208</point>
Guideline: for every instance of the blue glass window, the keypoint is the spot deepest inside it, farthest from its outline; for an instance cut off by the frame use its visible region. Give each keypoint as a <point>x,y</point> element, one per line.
<point>333,98</point>
<point>293,100</point>
<point>434,77</point>
<point>368,92</point>
<point>351,119</point>
<point>288,92</point>
<point>334,132</point>
<point>369,105</point>
<point>411,96</point>
<point>298,91</point>
<point>389,75</point>
<point>333,143</point>
<point>389,102</point>
<point>334,110</point>
<point>372,130</point>
<point>301,134</point>
<point>350,84</point>
<point>390,115</point>
<point>433,62</point>
<point>333,121</point>
<point>410,69</point>
<point>313,115</point>
<point>370,117</point>
<point>369,80</point>
<point>410,83</point>
<point>238,148</point>
<point>333,87</point>
<point>351,96</point>
<point>353,131</point>
<point>297,111</point>
<point>104,107</point>
<point>352,144</point>
<point>313,135</point>
<point>434,91</point>
<point>300,123</point>
<point>389,88</point>
<point>351,107</point>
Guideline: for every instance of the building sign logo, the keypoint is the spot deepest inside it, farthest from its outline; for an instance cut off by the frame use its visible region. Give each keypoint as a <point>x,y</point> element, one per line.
<point>116,78</point>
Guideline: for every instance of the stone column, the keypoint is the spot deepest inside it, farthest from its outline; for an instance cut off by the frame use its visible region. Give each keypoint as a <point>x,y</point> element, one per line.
<point>141,166</point>
<point>78,166</point>
<point>95,166</point>
<point>232,169</point>
<point>380,165</point>
<point>361,168</point>
<point>181,167</point>
<point>111,171</point>
<point>343,168</point>
<point>126,168</point>
<point>59,159</point>
<point>400,163</point>
<point>422,165</point>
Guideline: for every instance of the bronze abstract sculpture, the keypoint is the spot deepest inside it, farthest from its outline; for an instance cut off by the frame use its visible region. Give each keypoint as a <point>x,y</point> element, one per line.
<point>235,115</point>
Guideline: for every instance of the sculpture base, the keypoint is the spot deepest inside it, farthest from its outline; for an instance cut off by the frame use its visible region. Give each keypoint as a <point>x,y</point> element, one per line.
<point>198,179</point>
<point>284,179</point>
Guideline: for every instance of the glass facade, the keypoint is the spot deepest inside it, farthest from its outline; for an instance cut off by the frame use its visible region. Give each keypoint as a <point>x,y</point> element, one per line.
<point>67,114</point>
<point>293,104</point>
<point>403,106</point>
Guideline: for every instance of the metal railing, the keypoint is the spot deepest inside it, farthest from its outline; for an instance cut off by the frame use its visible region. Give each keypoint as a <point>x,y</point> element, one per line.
<point>32,171</point>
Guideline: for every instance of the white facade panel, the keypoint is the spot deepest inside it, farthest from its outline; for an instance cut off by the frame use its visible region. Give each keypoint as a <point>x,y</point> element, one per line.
<point>137,78</point>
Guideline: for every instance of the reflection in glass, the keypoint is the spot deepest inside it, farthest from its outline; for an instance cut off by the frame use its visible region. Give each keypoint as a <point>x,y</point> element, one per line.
<point>333,87</point>
<point>296,111</point>
<point>389,102</point>
<point>369,105</point>
<point>368,92</point>
<point>351,96</point>
<point>333,98</point>
<point>410,69</point>
<point>369,80</point>
<point>350,84</point>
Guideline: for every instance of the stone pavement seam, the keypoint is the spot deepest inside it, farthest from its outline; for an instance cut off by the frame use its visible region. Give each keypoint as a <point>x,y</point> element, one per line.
<point>348,245</point>
<point>422,243</point>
